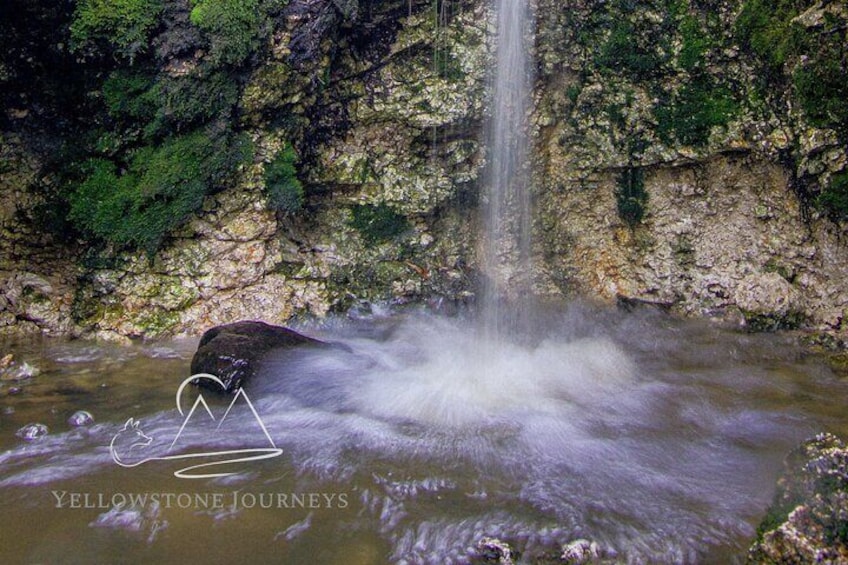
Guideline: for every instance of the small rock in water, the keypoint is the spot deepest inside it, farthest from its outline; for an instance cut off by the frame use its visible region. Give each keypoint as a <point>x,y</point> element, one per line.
<point>11,370</point>
<point>13,390</point>
<point>81,418</point>
<point>580,551</point>
<point>32,431</point>
<point>491,549</point>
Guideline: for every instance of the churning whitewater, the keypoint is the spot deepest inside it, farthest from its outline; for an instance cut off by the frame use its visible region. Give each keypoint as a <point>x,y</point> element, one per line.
<point>657,440</point>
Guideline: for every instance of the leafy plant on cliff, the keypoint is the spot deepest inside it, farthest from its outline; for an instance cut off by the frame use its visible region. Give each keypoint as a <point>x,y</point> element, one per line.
<point>622,51</point>
<point>190,101</point>
<point>156,191</point>
<point>691,114</point>
<point>834,199</point>
<point>285,193</point>
<point>695,43</point>
<point>812,53</point>
<point>129,96</point>
<point>123,25</point>
<point>377,224</point>
<point>232,27</point>
<point>631,196</point>
<point>766,27</point>
<point>162,140</point>
<point>821,86</point>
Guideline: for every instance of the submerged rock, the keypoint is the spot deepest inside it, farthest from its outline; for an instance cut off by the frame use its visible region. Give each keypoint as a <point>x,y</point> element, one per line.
<point>233,352</point>
<point>808,519</point>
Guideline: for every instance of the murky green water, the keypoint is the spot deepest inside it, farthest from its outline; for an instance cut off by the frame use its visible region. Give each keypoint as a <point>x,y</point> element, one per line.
<point>660,440</point>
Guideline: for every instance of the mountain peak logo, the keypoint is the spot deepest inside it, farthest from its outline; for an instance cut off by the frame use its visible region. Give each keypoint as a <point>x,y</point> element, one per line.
<point>128,447</point>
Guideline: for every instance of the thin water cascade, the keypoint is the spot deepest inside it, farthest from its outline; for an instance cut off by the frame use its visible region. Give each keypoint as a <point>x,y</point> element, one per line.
<point>507,215</point>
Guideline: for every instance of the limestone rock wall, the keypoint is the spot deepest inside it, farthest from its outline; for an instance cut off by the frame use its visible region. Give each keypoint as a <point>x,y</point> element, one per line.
<point>722,237</point>
<point>37,272</point>
<point>725,218</point>
<point>385,105</point>
<point>380,129</point>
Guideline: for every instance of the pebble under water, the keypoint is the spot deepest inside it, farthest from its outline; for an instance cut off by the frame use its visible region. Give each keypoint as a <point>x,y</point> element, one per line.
<point>657,439</point>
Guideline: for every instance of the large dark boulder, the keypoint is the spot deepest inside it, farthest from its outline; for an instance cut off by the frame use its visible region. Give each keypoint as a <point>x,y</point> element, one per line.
<point>234,352</point>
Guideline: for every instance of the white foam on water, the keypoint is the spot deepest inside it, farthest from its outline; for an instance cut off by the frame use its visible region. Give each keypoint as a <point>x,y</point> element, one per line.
<point>451,380</point>
<point>572,436</point>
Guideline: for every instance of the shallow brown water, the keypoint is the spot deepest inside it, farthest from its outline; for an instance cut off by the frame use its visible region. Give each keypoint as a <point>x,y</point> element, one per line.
<point>659,439</point>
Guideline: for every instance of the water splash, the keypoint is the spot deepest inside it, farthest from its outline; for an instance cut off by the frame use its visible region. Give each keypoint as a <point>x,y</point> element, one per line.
<point>452,383</point>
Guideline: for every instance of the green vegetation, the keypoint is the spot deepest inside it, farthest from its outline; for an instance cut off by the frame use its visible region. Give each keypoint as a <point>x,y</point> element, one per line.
<point>186,102</point>
<point>448,66</point>
<point>168,104</point>
<point>822,88</point>
<point>159,190</point>
<point>763,323</point>
<point>694,111</point>
<point>834,199</point>
<point>232,27</point>
<point>777,514</point>
<point>162,140</point>
<point>573,92</point>
<point>129,96</point>
<point>766,27</point>
<point>377,224</point>
<point>285,193</point>
<point>622,52</point>
<point>695,43</point>
<point>123,25</point>
<point>816,57</point>
<point>630,196</point>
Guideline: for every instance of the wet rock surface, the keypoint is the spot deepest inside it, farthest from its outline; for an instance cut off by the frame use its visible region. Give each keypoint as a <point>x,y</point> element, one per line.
<point>32,431</point>
<point>80,418</point>
<point>12,369</point>
<point>234,352</point>
<point>387,111</point>
<point>808,519</point>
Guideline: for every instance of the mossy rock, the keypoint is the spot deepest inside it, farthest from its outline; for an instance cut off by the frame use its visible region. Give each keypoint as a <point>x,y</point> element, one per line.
<point>808,519</point>
<point>757,322</point>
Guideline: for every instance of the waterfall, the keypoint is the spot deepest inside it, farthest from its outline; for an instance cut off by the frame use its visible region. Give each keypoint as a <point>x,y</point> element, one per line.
<point>507,219</point>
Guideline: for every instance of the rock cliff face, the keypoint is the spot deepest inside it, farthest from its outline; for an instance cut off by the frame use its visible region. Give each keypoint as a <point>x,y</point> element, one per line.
<point>721,237</point>
<point>667,174</point>
<point>672,164</point>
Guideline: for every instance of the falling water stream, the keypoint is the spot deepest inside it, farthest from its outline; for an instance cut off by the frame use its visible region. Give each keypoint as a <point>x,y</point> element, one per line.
<point>418,435</point>
<point>507,216</point>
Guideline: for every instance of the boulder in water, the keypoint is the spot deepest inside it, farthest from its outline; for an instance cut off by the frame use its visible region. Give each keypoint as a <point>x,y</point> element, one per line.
<point>808,519</point>
<point>233,352</point>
